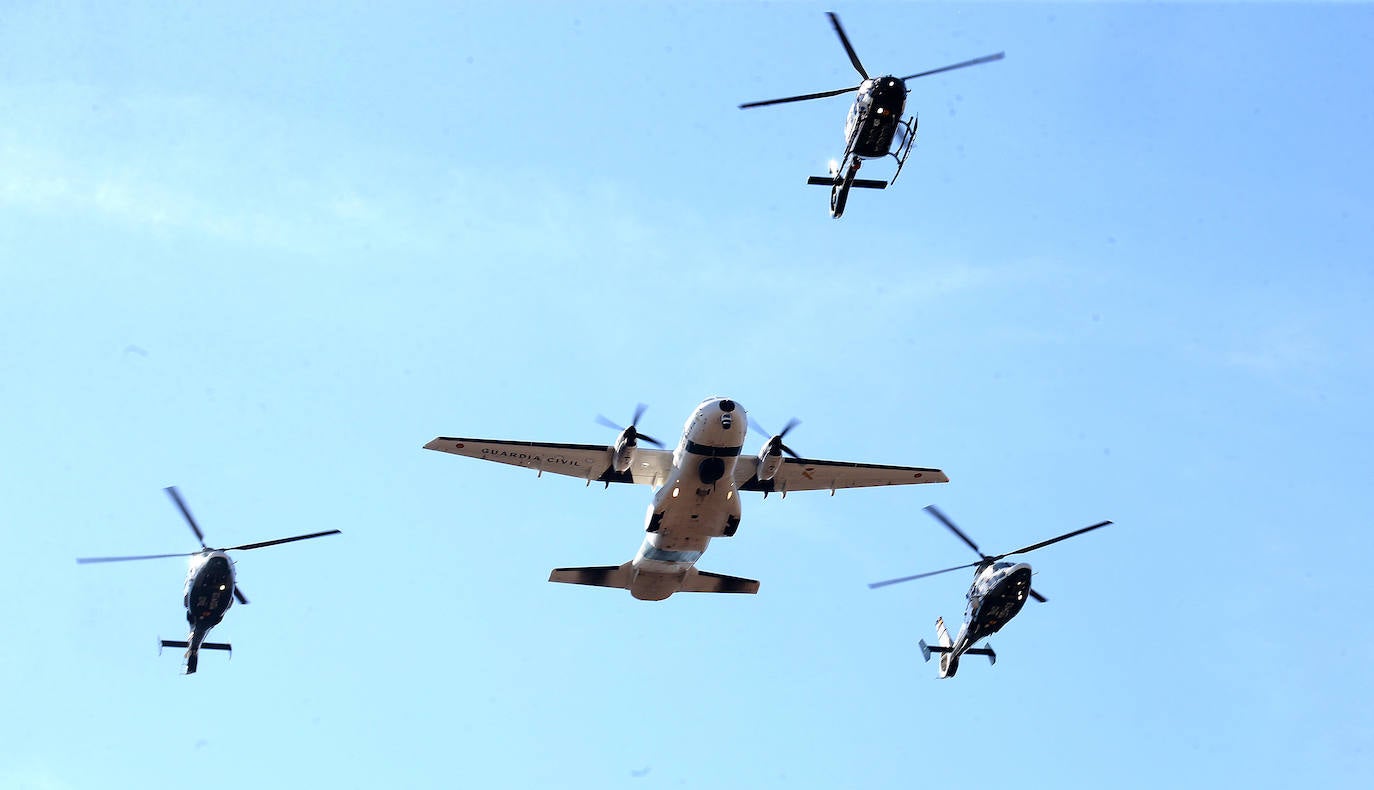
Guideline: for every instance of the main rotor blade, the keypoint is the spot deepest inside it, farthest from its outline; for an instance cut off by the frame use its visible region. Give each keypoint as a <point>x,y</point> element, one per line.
<point>876,585</point>
<point>1037,596</point>
<point>853,56</point>
<point>176,497</point>
<point>935,511</point>
<point>807,97</point>
<point>238,594</point>
<point>247,546</point>
<point>1042,544</point>
<point>87,560</point>
<point>974,62</point>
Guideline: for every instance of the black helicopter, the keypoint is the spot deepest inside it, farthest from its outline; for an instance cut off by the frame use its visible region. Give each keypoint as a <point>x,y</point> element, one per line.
<point>209,583</point>
<point>998,592</point>
<point>874,122</point>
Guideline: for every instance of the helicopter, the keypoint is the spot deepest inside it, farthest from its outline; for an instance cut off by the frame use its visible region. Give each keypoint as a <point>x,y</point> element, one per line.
<point>874,123</point>
<point>998,592</point>
<point>209,581</point>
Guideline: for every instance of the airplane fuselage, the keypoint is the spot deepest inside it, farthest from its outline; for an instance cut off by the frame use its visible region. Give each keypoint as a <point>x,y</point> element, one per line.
<point>698,500</point>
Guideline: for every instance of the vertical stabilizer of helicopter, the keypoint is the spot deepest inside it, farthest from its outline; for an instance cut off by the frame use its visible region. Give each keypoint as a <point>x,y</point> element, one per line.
<point>949,663</point>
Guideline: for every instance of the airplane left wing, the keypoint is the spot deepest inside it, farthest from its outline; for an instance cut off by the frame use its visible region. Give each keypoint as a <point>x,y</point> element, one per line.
<point>809,474</point>
<point>586,461</point>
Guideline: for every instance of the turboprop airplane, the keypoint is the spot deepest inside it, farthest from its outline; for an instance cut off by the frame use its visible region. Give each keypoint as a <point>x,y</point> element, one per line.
<point>696,491</point>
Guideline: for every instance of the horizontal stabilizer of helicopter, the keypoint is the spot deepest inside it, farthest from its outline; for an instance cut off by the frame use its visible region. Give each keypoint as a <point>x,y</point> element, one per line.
<point>926,649</point>
<point>203,645</point>
<point>983,651</point>
<point>858,183</point>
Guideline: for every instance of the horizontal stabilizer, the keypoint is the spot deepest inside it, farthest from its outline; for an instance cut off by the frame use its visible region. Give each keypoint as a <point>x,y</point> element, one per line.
<point>173,643</point>
<point>858,183</point>
<point>983,651</point>
<point>707,582</point>
<point>594,576</point>
<point>216,646</point>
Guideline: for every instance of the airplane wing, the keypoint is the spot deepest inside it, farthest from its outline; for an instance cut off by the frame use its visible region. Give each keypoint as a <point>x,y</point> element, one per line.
<point>585,461</point>
<point>808,474</point>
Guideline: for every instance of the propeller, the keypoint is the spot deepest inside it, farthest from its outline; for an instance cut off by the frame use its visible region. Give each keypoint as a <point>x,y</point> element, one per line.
<point>200,536</point>
<point>934,511</point>
<point>631,432</point>
<point>775,444</point>
<point>853,56</point>
<point>807,97</point>
<point>244,547</point>
<point>88,560</point>
<point>261,544</point>
<point>859,67</point>
<point>943,519</point>
<point>974,62</point>
<point>185,511</point>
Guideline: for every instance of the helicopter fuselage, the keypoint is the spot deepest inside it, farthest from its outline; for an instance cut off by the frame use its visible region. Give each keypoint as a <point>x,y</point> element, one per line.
<point>996,596</point>
<point>874,118</point>
<point>209,594</point>
<point>209,589</point>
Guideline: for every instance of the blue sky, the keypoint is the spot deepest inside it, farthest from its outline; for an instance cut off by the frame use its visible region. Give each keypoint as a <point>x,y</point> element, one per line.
<point>266,255</point>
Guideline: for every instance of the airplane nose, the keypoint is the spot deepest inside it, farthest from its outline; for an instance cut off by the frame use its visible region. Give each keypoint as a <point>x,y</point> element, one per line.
<point>727,405</point>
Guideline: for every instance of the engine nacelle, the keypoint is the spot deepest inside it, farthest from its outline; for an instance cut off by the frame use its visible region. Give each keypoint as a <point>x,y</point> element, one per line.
<point>769,464</point>
<point>623,453</point>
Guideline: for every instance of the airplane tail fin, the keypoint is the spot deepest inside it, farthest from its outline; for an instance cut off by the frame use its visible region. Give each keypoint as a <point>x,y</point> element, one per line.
<point>942,632</point>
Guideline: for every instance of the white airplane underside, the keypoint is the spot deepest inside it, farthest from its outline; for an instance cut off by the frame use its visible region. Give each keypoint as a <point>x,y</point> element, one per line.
<point>696,492</point>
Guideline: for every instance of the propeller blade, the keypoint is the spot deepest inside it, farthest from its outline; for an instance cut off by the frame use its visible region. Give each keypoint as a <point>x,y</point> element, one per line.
<point>807,97</point>
<point>935,511</point>
<point>631,431</point>
<point>1037,596</point>
<point>261,544</point>
<point>238,595</point>
<point>1042,544</point>
<point>87,560</point>
<point>792,423</point>
<point>176,497</point>
<point>974,62</point>
<point>876,585</point>
<point>853,56</point>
